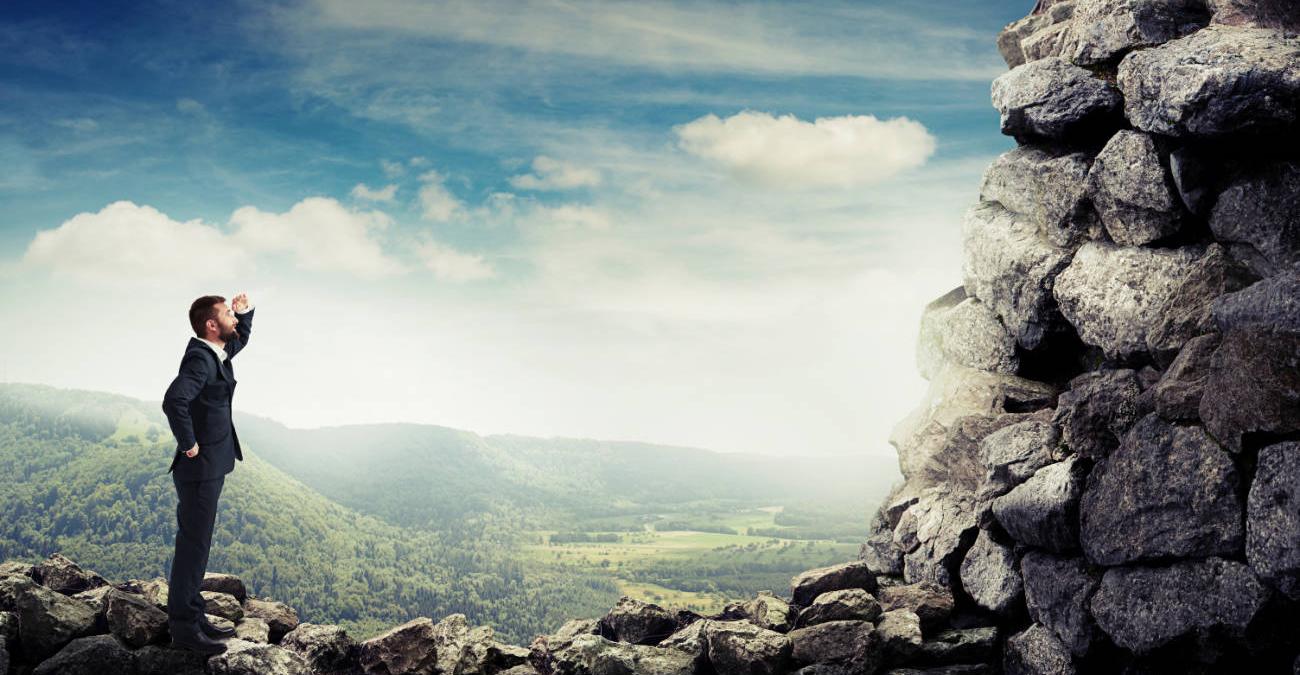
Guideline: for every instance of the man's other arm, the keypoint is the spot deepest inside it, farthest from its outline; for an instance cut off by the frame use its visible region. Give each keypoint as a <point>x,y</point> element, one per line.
<point>244,327</point>
<point>194,373</point>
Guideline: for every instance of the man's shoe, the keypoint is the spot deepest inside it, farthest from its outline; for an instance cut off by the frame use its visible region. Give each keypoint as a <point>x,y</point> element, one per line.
<point>214,631</point>
<point>185,636</point>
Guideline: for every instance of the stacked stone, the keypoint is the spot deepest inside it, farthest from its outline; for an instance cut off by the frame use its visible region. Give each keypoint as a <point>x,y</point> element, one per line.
<point>1107,463</point>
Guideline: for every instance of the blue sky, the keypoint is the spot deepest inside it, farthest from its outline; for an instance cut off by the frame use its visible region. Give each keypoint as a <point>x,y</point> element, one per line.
<point>710,224</point>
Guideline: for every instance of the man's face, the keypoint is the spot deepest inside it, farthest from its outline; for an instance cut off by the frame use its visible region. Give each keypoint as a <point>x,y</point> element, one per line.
<point>225,321</point>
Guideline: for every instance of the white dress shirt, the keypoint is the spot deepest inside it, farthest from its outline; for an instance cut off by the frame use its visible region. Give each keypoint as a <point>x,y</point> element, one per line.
<point>221,353</point>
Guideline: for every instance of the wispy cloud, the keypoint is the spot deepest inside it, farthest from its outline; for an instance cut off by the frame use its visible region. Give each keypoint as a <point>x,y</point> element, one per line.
<point>709,37</point>
<point>554,174</point>
<point>384,194</point>
<point>437,202</point>
<point>448,264</point>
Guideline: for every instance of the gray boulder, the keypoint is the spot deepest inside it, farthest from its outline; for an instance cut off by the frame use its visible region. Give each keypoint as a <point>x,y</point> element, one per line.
<point>1044,511</point>
<point>1049,187</point>
<point>1036,651</point>
<point>252,629</point>
<point>48,620</point>
<point>133,619</point>
<point>325,648</point>
<point>224,583</point>
<point>1036,35</point>
<point>1133,192</point>
<point>939,442</point>
<point>1053,99</point>
<point>1259,13</point>
<point>878,551</point>
<point>930,602</point>
<point>807,585</point>
<point>91,655</point>
<point>1142,608</point>
<point>1188,310</point>
<point>945,527</point>
<point>958,645</point>
<point>1253,385</point>
<point>281,618</point>
<point>1057,591</point>
<point>1216,82</point>
<point>1111,293</point>
<point>223,605</point>
<point>1257,211</point>
<point>1273,518</point>
<point>59,573</point>
<point>900,635</point>
<point>637,622</point>
<point>832,641</point>
<point>255,658</point>
<point>768,611</point>
<point>405,648</point>
<point>1168,490</point>
<point>843,605</point>
<point>1271,303</point>
<point>1102,31</point>
<point>1097,410</point>
<point>967,332</point>
<point>1012,269</point>
<point>741,647</point>
<point>1178,393</point>
<point>991,575</point>
<point>1014,452</point>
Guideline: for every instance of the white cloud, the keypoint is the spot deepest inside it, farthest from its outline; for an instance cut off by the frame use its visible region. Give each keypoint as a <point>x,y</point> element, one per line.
<point>448,264</point>
<point>392,169</point>
<point>321,234</point>
<point>125,242</point>
<point>829,151</point>
<point>384,194</point>
<point>418,161</point>
<point>553,174</point>
<point>437,202</point>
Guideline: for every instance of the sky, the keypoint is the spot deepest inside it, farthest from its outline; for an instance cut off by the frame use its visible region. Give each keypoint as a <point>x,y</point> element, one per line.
<point>705,224</point>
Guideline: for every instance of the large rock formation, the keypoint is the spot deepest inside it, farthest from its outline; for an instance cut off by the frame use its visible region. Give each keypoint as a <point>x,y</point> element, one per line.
<point>1107,466</point>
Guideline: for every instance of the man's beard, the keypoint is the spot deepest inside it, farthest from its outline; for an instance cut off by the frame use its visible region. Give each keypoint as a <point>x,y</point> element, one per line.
<point>227,337</point>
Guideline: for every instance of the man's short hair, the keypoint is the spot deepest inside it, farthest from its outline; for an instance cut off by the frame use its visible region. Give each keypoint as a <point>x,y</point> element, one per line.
<point>203,309</point>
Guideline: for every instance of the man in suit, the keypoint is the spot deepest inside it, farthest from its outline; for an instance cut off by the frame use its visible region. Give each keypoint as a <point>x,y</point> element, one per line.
<point>197,405</point>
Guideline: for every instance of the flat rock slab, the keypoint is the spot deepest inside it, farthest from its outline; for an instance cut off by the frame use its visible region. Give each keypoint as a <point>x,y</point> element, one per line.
<point>1219,81</point>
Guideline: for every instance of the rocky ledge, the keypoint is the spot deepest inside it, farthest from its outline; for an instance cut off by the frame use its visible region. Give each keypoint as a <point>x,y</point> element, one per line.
<point>56,617</point>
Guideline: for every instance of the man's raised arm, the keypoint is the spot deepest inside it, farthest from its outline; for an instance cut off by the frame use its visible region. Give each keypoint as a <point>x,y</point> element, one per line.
<point>244,327</point>
<point>194,373</point>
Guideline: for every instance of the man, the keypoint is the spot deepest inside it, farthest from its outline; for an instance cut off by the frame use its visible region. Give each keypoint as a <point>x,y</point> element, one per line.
<point>197,405</point>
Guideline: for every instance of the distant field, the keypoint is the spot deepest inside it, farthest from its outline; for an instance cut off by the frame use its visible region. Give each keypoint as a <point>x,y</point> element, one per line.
<point>687,569</point>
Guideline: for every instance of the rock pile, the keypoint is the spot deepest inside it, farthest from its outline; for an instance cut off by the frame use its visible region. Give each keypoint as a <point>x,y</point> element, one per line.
<point>1106,468</point>
<point>56,617</point>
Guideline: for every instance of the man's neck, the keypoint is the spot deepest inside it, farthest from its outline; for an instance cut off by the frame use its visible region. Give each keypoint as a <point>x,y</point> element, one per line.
<point>217,341</point>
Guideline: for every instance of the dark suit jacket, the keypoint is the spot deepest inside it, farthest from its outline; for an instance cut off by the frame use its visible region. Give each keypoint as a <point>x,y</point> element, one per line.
<point>197,405</point>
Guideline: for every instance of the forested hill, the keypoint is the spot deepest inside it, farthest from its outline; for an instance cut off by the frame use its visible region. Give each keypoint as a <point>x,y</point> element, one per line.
<point>432,477</point>
<point>85,473</point>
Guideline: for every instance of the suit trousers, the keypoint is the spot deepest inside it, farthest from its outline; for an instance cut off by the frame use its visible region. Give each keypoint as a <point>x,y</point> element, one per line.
<point>196,513</point>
